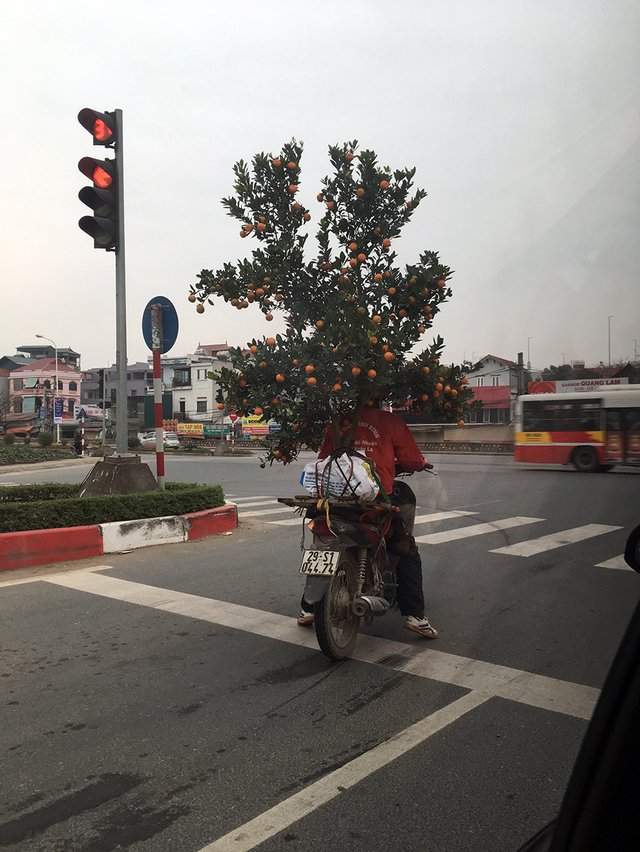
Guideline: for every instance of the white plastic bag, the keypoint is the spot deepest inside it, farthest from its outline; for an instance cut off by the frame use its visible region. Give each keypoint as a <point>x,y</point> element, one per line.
<point>345,476</point>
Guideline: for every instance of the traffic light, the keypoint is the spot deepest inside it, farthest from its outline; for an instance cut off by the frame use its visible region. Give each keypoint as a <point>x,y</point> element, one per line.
<point>102,197</point>
<point>101,125</point>
<point>219,395</point>
<point>101,385</point>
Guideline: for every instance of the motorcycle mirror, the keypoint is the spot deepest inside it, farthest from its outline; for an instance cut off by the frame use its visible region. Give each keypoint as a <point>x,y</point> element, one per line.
<point>632,550</point>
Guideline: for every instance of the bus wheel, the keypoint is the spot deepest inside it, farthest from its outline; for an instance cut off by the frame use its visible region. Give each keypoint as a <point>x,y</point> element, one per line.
<point>585,459</point>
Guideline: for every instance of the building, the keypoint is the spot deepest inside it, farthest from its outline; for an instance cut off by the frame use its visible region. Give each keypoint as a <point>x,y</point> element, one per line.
<point>35,352</point>
<point>100,384</point>
<point>32,388</point>
<point>7,364</point>
<point>494,382</point>
<point>186,377</point>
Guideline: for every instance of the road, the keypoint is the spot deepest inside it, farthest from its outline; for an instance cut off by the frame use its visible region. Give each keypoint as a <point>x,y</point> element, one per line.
<point>165,699</point>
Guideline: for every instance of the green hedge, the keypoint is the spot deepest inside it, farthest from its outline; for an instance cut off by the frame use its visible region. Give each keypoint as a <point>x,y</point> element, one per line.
<point>38,491</point>
<point>58,511</point>
<point>22,454</point>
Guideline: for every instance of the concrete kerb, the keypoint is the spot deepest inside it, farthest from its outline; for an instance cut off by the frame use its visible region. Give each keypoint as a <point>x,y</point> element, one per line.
<point>37,547</point>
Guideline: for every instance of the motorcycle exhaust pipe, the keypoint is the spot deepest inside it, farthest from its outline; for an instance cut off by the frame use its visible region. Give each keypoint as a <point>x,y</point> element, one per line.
<point>368,605</point>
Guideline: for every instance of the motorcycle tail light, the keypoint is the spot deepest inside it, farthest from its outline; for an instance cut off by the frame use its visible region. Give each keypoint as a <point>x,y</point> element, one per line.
<point>319,526</point>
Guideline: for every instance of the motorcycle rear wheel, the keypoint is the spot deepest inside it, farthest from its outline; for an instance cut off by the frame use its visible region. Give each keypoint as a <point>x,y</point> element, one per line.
<point>336,626</point>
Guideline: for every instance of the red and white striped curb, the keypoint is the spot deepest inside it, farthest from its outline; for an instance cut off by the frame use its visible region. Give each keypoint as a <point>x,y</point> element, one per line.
<point>40,547</point>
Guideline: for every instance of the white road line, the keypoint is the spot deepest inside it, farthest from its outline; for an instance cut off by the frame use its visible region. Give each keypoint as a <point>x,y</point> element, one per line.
<point>420,519</point>
<point>290,522</point>
<point>39,578</point>
<point>616,562</point>
<point>488,678</point>
<point>255,503</point>
<point>244,514</point>
<point>440,516</point>
<point>550,542</point>
<point>475,529</point>
<point>246,500</point>
<point>309,799</point>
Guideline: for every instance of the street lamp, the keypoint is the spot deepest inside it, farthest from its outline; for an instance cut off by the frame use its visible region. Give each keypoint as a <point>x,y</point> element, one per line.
<point>55,349</point>
<point>609,325</point>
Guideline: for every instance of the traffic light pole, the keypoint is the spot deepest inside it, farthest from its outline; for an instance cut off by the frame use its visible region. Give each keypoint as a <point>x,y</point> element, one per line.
<point>122,431</point>
<point>122,473</point>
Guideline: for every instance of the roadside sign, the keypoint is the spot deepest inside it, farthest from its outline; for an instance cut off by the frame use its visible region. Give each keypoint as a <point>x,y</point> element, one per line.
<point>87,411</point>
<point>170,324</point>
<point>233,416</point>
<point>57,410</point>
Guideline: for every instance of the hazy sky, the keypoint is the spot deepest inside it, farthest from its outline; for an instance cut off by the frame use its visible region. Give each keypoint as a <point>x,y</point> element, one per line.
<point>522,119</point>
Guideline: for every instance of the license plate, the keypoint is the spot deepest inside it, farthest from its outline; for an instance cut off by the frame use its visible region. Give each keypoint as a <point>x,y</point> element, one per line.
<point>320,562</point>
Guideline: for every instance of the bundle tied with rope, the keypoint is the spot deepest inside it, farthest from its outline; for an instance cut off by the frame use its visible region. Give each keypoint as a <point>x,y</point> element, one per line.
<point>344,473</point>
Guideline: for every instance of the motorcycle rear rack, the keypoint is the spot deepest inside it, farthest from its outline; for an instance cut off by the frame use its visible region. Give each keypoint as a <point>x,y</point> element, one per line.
<point>305,501</point>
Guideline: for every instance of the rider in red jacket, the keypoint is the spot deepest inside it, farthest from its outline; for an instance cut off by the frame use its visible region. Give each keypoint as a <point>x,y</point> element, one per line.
<point>386,440</point>
<point>383,437</point>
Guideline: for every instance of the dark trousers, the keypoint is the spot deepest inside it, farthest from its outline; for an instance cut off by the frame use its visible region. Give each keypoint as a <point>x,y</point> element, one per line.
<point>409,564</point>
<point>410,592</point>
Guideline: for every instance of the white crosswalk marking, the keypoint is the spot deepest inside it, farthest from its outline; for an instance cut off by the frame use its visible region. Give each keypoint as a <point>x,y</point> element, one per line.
<point>475,529</point>
<point>559,539</point>
<point>254,503</point>
<point>266,506</point>
<point>289,522</point>
<point>255,512</point>
<point>247,500</point>
<point>616,562</point>
<point>440,516</point>
<point>420,519</point>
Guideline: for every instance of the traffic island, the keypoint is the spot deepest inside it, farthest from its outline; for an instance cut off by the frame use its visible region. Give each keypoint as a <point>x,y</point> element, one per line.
<point>64,544</point>
<point>43,523</point>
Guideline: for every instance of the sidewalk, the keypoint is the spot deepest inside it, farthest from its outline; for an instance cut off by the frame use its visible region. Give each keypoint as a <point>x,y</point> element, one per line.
<point>46,465</point>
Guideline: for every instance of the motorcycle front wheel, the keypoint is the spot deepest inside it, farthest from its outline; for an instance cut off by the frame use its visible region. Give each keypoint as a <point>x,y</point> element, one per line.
<point>336,625</point>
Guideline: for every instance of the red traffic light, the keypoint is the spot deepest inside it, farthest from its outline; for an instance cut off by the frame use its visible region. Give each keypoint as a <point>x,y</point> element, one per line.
<point>101,131</point>
<point>101,172</point>
<point>101,125</point>
<point>102,198</point>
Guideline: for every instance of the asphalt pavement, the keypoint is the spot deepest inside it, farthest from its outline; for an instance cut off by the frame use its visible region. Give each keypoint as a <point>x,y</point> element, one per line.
<point>165,698</point>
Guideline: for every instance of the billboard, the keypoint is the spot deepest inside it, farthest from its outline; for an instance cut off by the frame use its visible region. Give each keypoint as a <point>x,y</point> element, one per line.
<point>574,385</point>
<point>194,430</point>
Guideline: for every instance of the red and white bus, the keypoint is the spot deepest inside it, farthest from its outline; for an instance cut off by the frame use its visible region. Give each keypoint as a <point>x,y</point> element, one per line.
<point>592,430</point>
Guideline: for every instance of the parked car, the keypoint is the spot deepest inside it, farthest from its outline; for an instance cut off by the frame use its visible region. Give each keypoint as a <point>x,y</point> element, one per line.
<point>148,440</point>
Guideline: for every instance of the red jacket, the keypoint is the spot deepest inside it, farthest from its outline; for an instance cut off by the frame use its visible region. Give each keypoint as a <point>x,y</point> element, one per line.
<point>383,437</point>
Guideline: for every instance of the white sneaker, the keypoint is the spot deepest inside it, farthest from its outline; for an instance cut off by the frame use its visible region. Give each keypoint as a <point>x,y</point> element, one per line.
<point>421,626</point>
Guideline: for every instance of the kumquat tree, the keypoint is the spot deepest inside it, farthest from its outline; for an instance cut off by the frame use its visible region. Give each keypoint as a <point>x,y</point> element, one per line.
<point>353,316</point>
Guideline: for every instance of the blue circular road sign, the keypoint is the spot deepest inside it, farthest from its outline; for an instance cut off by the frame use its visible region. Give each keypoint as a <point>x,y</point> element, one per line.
<point>170,325</point>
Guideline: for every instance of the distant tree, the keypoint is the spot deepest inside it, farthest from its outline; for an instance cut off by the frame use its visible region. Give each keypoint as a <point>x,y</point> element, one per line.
<point>6,406</point>
<point>561,373</point>
<point>353,315</point>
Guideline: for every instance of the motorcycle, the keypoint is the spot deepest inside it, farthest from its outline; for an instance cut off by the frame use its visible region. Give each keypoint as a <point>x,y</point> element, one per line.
<point>350,569</point>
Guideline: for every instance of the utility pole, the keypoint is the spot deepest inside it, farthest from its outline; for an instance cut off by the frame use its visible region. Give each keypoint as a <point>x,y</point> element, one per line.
<point>610,317</point>
<point>55,395</point>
